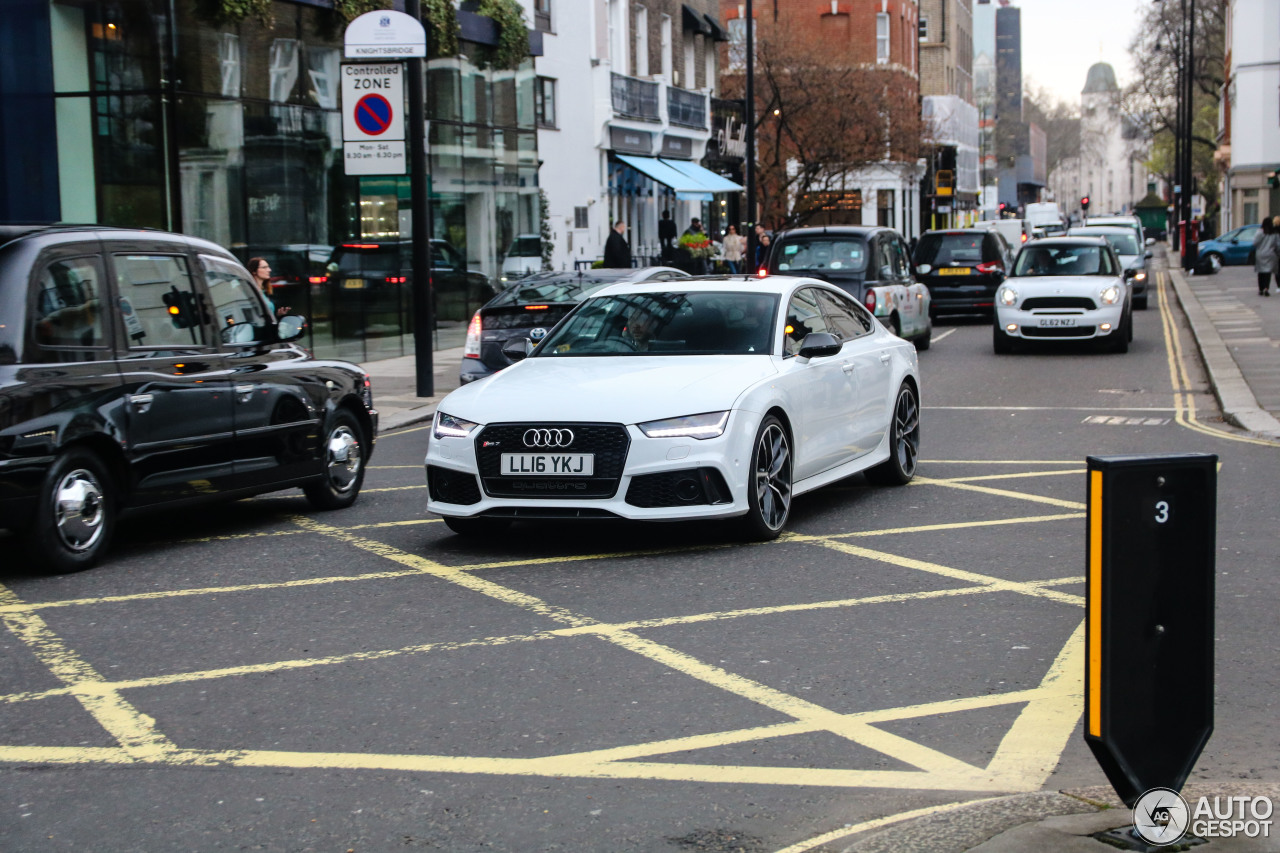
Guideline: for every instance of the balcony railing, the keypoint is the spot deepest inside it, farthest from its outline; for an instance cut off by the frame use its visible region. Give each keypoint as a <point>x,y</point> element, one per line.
<point>635,98</point>
<point>687,109</point>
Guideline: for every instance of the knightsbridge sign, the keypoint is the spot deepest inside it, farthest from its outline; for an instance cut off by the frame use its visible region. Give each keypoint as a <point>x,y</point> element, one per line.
<point>384,34</point>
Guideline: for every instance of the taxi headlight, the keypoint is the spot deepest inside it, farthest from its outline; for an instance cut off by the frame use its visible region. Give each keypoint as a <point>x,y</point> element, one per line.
<point>1110,295</point>
<point>447,426</point>
<point>1140,275</point>
<point>707,425</point>
<point>1007,296</point>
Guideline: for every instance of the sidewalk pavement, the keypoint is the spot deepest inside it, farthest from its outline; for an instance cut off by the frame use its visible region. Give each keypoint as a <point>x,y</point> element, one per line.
<point>1238,335</point>
<point>395,387</point>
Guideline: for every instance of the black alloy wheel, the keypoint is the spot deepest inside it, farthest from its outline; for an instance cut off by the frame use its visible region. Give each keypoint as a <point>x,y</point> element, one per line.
<point>344,464</point>
<point>769,489</point>
<point>904,442</point>
<point>75,515</point>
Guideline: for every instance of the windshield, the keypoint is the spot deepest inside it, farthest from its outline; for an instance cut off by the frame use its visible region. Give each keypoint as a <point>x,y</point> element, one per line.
<point>840,254</point>
<point>942,249</point>
<point>701,323</point>
<point>1125,243</point>
<point>1062,260</point>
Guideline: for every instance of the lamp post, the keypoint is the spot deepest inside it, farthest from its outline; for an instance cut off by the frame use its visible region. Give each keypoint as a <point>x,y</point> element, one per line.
<point>749,108</point>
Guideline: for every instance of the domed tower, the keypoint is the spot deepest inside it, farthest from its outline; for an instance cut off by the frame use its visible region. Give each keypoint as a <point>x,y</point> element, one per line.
<point>1102,169</point>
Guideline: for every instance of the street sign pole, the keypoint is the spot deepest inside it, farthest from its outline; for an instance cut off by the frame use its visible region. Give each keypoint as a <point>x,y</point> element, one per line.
<point>424,320</point>
<point>1149,617</point>
<point>750,113</point>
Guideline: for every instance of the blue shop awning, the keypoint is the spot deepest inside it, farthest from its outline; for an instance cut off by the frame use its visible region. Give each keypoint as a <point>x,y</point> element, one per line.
<point>708,179</point>
<point>687,188</point>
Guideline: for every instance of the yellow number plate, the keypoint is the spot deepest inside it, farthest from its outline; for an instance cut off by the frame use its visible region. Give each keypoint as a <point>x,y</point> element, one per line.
<point>953,271</point>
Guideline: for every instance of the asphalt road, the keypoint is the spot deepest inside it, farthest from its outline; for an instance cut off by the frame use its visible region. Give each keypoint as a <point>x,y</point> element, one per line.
<point>262,676</point>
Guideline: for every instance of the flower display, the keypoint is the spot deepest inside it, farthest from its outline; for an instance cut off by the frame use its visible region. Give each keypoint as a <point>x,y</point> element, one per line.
<point>697,245</point>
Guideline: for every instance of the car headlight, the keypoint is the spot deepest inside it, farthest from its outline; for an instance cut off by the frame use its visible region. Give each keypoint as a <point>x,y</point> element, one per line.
<point>1110,295</point>
<point>447,426</point>
<point>1007,296</point>
<point>708,425</point>
<point>1140,275</point>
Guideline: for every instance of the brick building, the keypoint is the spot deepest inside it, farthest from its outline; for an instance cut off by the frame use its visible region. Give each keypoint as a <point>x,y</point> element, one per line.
<point>952,186</point>
<point>876,40</point>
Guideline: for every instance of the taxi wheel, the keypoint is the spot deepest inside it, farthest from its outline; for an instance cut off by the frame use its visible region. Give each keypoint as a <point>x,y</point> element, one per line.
<point>344,458</point>
<point>75,515</point>
<point>476,528</point>
<point>769,486</point>
<point>904,442</point>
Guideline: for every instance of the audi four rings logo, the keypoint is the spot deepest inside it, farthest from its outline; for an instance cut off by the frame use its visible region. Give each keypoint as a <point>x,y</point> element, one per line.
<point>548,437</point>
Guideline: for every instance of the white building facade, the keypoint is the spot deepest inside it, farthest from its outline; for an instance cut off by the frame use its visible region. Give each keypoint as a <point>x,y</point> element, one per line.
<point>624,99</point>
<point>1251,108</point>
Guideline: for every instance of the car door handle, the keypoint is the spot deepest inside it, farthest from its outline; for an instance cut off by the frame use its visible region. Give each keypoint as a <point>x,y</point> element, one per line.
<point>847,367</point>
<point>243,392</point>
<point>884,357</point>
<point>139,402</point>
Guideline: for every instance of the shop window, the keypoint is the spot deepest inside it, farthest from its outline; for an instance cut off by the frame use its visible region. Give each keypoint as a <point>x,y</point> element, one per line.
<point>544,101</point>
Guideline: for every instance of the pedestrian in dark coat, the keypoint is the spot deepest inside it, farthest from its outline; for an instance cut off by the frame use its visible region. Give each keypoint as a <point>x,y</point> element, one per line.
<point>667,236</point>
<point>617,251</point>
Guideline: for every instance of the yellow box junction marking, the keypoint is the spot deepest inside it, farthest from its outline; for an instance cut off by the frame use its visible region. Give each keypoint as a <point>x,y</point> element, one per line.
<point>1023,761</point>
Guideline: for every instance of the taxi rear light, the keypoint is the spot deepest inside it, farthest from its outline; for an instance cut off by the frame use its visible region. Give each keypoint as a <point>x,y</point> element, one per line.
<point>988,268</point>
<point>396,279</point>
<point>317,279</point>
<point>360,246</point>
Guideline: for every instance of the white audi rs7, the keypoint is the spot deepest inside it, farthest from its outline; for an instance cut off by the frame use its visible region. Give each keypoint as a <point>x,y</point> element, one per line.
<point>680,400</point>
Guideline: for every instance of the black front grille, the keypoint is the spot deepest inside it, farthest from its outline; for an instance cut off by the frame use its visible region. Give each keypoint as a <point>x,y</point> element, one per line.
<point>607,442</point>
<point>452,487</point>
<point>1079,303</point>
<point>1058,332</point>
<point>690,487</point>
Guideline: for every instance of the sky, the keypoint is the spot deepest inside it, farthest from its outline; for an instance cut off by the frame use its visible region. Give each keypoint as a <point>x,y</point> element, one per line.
<point>1061,39</point>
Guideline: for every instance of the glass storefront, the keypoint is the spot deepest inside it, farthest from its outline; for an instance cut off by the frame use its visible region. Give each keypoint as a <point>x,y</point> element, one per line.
<point>235,135</point>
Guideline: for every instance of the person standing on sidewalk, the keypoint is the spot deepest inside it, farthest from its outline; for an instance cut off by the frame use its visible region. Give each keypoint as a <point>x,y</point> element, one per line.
<point>617,251</point>
<point>735,246</point>
<point>1266,255</point>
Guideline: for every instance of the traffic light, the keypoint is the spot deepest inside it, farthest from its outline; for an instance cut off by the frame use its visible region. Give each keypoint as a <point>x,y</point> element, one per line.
<point>180,304</point>
<point>1003,207</point>
<point>1084,203</point>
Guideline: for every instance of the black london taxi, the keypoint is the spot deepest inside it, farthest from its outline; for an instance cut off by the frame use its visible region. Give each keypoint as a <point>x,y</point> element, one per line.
<point>141,370</point>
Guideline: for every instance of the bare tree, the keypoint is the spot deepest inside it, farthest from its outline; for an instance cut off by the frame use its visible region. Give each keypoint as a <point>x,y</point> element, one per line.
<point>1060,122</point>
<point>818,120</point>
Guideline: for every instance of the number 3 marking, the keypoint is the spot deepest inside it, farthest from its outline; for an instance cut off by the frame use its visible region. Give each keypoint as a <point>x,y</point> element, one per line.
<point>1162,512</point>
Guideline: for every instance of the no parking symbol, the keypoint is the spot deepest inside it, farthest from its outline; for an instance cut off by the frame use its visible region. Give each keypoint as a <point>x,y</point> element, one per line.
<point>372,118</point>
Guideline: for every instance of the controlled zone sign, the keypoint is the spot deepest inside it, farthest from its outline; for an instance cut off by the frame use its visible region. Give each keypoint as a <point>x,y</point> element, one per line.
<point>373,118</point>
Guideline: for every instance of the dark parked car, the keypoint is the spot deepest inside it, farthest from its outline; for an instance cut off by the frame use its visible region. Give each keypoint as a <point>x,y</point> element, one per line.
<point>962,268</point>
<point>141,370</point>
<point>378,277</point>
<point>532,306</point>
<point>870,263</point>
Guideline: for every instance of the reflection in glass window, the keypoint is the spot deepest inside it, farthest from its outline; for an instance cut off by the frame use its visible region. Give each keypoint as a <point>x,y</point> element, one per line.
<point>284,69</point>
<point>67,309</point>
<point>158,304</point>
<point>229,60</point>
<point>804,317</point>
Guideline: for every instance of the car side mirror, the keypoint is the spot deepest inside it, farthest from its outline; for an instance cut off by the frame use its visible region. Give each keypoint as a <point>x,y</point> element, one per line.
<point>923,269</point>
<point>1151,241</point>
<point>517,349</point>
<point>819,345</point>
<point>290,327</point>
<point>1148,256</point>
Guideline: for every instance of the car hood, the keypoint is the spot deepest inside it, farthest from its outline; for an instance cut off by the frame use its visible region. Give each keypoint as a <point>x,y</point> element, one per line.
<point>1133,262</point>
<point>615,389</point>
<point>1066,285</point>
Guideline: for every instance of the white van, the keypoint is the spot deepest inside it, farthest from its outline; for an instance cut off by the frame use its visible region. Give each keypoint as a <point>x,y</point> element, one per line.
<point>1048,216</point>
<point>1015,231</point>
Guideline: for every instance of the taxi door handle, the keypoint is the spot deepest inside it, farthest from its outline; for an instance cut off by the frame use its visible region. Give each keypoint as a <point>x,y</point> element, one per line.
<point>243,392</point>
<point>140,402</point>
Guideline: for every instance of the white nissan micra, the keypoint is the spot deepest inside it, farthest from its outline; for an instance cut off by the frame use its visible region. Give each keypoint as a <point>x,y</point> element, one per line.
<point>1065,289</point>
